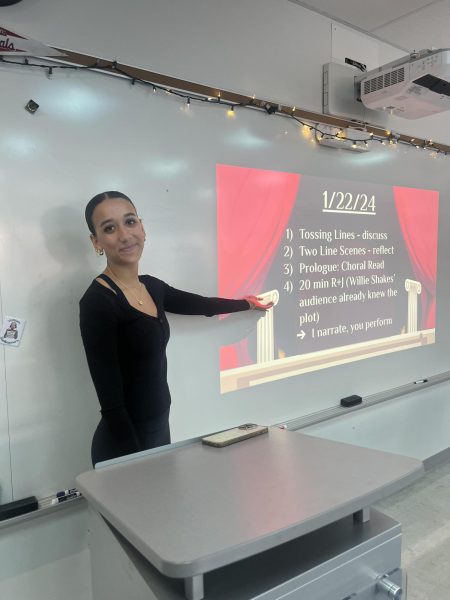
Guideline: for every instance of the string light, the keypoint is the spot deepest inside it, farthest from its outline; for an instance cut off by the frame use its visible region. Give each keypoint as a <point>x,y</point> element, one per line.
<point>307,128</point>
<point>306,131</point>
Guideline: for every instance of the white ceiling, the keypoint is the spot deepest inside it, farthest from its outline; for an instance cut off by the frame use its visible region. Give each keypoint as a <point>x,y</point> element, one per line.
<point>408,24</point>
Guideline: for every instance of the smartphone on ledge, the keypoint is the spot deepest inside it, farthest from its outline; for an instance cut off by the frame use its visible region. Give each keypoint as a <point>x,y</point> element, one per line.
<point>237,434</point>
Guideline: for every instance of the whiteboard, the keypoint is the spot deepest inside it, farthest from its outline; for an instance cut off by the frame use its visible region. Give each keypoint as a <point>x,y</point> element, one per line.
<point>92,133</point>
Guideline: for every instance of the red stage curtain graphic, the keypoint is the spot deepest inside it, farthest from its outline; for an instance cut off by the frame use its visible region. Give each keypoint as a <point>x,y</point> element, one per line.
<point>253,209</point>
<point>417,212</point>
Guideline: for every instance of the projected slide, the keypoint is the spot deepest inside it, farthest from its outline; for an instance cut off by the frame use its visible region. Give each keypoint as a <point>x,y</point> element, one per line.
<point>350,267</point>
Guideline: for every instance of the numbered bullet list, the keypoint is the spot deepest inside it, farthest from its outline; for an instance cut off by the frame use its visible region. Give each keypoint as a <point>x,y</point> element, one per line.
<point>334,268</point>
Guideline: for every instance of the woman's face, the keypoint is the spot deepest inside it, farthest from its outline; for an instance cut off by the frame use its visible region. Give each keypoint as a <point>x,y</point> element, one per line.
<point>118,231</point>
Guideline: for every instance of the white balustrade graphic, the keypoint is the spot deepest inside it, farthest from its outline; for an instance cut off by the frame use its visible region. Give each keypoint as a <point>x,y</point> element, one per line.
<point>414,288</point>
<point>264,333</point>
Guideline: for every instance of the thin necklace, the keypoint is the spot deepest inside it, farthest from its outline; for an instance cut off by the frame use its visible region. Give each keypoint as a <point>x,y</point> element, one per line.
<point>140,300</point>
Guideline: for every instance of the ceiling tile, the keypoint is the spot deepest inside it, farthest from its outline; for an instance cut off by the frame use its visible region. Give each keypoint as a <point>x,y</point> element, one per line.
<point>428,28</point>
<point>366,15</point>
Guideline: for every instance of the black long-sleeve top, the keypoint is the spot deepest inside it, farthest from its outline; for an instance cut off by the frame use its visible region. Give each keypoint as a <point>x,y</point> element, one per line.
<point>126,351</point>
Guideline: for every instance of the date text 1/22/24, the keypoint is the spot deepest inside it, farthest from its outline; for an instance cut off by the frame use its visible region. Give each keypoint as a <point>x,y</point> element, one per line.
<point>346,202</point>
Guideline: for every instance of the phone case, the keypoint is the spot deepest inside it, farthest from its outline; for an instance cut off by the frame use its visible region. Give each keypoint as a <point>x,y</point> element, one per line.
<point>237,434</point>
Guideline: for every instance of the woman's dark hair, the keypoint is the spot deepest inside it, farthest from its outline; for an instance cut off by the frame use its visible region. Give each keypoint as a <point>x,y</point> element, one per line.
<point>95,201</point>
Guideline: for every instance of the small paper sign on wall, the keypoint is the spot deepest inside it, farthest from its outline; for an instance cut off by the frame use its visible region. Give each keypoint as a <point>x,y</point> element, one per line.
<point>14,43</point>
<point>12,331</point>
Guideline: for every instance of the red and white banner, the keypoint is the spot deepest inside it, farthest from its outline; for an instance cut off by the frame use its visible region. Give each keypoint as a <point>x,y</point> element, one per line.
<point>13,43</point>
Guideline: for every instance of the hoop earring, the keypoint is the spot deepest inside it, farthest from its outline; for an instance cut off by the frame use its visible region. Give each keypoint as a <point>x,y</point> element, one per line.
<point>100,251</point>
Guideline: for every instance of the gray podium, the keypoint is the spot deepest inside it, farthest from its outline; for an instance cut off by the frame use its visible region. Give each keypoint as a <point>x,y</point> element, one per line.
<point>279,516</point>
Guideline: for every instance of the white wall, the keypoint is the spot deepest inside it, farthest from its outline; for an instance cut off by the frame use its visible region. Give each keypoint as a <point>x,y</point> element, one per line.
<point>271,48</point>
<point>252,47</point>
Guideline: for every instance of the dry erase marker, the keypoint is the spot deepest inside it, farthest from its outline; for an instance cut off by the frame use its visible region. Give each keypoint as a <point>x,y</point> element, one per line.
<point>66,492</point>
<point>64,498</point>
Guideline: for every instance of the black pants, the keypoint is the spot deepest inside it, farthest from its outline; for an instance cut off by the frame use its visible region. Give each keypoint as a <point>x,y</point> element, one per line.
<point>151,434</point>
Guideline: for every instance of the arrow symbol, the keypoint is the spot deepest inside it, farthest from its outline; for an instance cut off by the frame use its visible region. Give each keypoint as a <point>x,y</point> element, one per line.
<point>301,335</point>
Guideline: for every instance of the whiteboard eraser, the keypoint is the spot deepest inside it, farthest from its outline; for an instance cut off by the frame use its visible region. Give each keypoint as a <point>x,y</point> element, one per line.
<point>351,401</point>
<point>18,507</point>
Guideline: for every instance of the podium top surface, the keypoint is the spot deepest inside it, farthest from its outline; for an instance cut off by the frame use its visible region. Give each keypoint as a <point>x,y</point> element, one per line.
<point>196,508</point>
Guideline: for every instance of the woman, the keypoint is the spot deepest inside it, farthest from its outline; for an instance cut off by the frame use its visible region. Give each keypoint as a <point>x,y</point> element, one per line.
<point>125,332</point>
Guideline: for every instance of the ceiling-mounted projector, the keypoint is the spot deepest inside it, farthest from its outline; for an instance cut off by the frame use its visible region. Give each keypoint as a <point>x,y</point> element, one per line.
<point>412,87</point>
